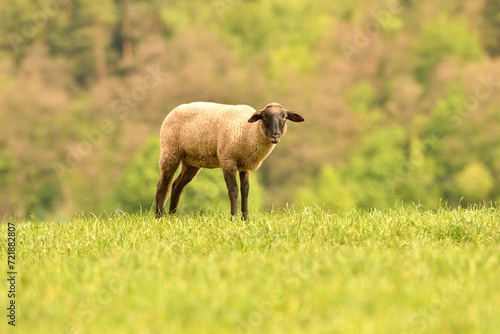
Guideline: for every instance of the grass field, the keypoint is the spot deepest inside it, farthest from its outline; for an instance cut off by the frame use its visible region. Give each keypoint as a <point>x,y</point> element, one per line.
<point>301,270</point>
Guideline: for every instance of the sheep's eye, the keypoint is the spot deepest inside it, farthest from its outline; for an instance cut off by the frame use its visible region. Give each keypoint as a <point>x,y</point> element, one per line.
<point>263,117</point>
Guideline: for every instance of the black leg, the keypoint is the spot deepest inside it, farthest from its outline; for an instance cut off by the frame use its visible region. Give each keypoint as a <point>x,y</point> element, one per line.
<point>162,193</point>
<point>245,187</point>
<point>232,189</point>
<point>167,171</point>
<point>186,174</point>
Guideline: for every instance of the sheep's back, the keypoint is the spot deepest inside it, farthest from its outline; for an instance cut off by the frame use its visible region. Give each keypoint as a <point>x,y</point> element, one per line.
<point>196,130</point>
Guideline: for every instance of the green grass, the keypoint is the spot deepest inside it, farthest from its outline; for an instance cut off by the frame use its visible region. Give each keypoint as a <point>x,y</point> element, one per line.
<point>302,270</point>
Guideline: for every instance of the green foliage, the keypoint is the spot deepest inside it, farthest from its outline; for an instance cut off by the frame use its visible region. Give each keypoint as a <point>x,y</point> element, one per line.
<point>362,102</point>
<point>394,23</point>
<point>474,182</point>
<point>378,174</point>
<point>445,37</point>
<point>491,27</point>
<point>7,166</point>
<point>362,98</point>
<point>287,32</point>
<point>447,109</point>
<point>416,180</point>
<point>368,179</point>
<point>207,191</point>
<point>465,174</point>
<point>136,188</point>
<point>406,270</point>
<point>179,15</point>
<point>374,167</point>
<point>328,190</point>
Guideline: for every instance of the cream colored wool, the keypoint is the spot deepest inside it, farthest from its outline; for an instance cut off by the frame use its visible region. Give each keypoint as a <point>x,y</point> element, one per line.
<point>211,135</point>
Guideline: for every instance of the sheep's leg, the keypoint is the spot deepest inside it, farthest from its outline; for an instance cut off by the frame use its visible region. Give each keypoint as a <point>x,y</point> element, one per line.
<point>232,189</point>
<point>167,170</point>
<point>245,187</point>
<point>186,174</point>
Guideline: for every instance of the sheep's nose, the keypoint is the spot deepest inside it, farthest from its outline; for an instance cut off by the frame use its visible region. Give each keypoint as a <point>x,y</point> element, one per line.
<point>275,137</point>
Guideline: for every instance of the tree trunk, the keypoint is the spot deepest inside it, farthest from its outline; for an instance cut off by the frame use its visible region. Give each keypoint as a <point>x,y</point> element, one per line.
<point>67,9</point>
<point>128,56</point>
<point>100,54</point>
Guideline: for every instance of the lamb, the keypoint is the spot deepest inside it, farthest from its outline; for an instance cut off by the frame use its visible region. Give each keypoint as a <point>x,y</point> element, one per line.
<point>236,138</point>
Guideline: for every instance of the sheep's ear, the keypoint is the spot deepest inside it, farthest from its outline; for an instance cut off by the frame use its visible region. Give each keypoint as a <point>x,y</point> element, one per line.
<point>255,117</point>
<point>294,117</point>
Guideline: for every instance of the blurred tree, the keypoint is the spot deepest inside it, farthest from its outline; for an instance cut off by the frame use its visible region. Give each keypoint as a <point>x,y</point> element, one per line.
<point>127,54</point>
<point>373,168</point>
<point>328,189</point>
<point>7,180</point>
<point>459,130</point>
<point>29,127</point>
<point>491,27</point>
<point>362,102</point>
<point>136,188</point>
<point>21,25</point>
<point>415,181</point>
<point>297,27</point>
<point>445,37</point>
<point>474,182</point>
<point>378,174</point>
<point>93,23</point>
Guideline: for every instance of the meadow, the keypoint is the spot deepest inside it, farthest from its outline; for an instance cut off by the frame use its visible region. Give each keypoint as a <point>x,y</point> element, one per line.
<point>296,270</point>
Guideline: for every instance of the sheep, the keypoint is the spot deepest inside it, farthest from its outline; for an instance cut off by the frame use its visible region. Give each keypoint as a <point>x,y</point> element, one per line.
<point>235,138</point>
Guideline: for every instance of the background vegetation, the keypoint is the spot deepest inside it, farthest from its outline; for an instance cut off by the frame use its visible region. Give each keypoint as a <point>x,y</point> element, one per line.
<point>400,99</point>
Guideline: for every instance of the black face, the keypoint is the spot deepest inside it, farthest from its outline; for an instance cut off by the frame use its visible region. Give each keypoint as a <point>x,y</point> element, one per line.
<point>273,117</point>
<point>273,125</point>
